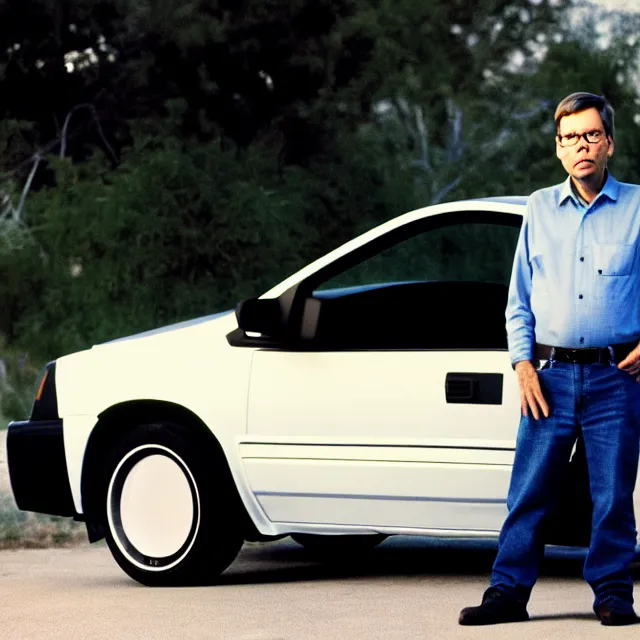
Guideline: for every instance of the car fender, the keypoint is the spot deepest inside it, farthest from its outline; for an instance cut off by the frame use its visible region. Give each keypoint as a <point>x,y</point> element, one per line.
<point>192,367</point>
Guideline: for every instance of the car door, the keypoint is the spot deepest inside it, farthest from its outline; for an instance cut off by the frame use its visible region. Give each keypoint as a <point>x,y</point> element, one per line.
<point>401,409</point>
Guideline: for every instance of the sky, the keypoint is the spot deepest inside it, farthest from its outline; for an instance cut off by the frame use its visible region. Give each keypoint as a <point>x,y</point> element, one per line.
<point>625,5</point>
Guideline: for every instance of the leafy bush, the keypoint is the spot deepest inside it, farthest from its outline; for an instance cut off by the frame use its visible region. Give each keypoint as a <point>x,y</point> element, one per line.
<point>18,378</point>
<point>172,234</point>
<point>181,230</point>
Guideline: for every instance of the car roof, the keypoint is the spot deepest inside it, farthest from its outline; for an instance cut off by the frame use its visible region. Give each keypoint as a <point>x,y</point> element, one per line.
<point>507,204</point>
<point>506,199</point>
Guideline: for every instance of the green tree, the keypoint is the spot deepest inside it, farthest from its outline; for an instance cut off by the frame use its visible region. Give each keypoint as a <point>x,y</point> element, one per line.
<point>201,151</point>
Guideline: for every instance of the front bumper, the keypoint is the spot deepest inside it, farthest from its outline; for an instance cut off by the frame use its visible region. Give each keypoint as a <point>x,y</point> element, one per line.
<point>38,468</point>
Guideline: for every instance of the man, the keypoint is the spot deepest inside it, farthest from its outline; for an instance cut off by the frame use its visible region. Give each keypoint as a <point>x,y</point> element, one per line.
<point>574,304</point>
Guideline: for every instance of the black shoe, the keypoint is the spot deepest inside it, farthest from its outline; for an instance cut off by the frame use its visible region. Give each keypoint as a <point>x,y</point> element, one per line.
<point>496,608</point>
<point>616,613</point>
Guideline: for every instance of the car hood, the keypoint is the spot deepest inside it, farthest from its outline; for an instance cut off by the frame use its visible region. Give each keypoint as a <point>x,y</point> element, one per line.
<point>178,326</point>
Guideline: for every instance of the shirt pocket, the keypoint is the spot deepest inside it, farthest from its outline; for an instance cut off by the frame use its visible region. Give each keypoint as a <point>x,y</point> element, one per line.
<point>614,259</point>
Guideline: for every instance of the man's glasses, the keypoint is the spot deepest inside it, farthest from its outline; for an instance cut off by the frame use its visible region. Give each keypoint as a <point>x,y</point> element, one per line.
<point>571,139</point>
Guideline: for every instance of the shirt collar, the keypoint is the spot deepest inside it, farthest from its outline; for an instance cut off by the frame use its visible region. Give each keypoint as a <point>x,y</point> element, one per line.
<point>611,190</point>
<point>576,194</point>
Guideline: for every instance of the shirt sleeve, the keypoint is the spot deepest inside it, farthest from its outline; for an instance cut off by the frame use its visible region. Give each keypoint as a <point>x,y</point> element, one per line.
<point>520,321</point>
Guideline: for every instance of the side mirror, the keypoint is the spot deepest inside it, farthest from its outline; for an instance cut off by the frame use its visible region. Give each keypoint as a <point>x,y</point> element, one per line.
<point>261,315</point>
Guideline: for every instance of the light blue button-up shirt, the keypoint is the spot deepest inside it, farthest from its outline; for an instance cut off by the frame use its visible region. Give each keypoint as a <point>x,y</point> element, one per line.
<point>576,279</point>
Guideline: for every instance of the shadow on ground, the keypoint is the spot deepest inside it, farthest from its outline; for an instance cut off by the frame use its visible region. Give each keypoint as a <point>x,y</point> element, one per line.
<point>286,561</point>
<point>582,615</point>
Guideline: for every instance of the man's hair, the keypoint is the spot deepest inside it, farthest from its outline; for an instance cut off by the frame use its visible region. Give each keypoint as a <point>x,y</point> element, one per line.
<point>577,102</point>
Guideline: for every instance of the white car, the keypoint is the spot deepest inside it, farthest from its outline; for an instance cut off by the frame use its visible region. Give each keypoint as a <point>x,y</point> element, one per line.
<point>369,394</point>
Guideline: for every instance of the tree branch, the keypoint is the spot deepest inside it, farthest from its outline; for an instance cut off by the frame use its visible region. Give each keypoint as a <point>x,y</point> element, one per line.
<point>17,213</point>
<point>96,118</point>
<point>445,190</point>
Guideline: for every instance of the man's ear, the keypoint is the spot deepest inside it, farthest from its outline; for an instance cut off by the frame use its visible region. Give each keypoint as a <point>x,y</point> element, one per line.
<point>611,146</point>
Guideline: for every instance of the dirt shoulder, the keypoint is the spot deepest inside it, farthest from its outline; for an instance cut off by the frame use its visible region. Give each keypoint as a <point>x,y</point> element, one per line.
<point>5,485</point>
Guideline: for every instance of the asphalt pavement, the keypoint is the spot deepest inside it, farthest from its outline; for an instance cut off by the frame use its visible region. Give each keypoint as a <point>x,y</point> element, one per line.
<point>406,588</point>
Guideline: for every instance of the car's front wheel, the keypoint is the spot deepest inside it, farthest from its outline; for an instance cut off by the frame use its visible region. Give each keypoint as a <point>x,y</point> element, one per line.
<point>169,515</point>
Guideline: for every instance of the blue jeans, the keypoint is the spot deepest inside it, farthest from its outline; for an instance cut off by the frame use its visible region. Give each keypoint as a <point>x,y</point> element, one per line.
<point>603,403</point>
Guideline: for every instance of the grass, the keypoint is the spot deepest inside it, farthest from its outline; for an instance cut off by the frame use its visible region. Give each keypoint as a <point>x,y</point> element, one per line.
<point>4,421</point>
<point>26,530</point>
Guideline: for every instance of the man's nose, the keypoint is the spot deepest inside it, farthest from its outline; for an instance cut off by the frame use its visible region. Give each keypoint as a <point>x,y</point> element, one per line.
<point>583,145</point>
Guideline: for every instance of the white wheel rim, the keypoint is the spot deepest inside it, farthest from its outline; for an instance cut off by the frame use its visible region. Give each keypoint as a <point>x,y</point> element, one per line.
<point>153,507</point>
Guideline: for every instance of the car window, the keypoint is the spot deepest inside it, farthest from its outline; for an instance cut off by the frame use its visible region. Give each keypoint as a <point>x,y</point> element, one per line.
<point>466,252</point>
<point>442,288</point>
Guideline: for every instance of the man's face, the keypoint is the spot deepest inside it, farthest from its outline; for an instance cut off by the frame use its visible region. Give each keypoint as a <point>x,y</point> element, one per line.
<point>584,160</point>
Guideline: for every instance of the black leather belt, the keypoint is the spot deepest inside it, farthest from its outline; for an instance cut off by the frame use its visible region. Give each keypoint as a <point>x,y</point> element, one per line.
<point>588,355</point>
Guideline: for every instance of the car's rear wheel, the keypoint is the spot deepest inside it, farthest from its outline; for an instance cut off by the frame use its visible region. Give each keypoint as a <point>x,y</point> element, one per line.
<point>332,544</point>
<point>169,514</point>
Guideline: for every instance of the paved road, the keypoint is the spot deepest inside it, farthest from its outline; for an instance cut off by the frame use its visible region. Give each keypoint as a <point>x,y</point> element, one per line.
<point>407,588</point>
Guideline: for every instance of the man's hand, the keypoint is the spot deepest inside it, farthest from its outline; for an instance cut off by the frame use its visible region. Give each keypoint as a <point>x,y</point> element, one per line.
<point>530,392</point>
<point>631,364</point>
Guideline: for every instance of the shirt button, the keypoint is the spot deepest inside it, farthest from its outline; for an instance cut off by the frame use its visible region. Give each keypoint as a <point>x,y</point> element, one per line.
<point>581,259</point>
<point>581,340</point>
<point>600,271</point>
<point>580,296</point>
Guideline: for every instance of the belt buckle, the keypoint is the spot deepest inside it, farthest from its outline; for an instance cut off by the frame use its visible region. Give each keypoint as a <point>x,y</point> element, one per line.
<point>573,355</point>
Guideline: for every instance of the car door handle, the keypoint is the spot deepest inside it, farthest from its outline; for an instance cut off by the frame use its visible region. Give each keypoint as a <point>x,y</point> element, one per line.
<point>473,388</point>
<point>459,389</point>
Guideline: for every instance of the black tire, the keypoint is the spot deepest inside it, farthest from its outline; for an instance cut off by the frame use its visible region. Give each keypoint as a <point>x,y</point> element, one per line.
<point>332,544</point>
<point>170,516</point>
